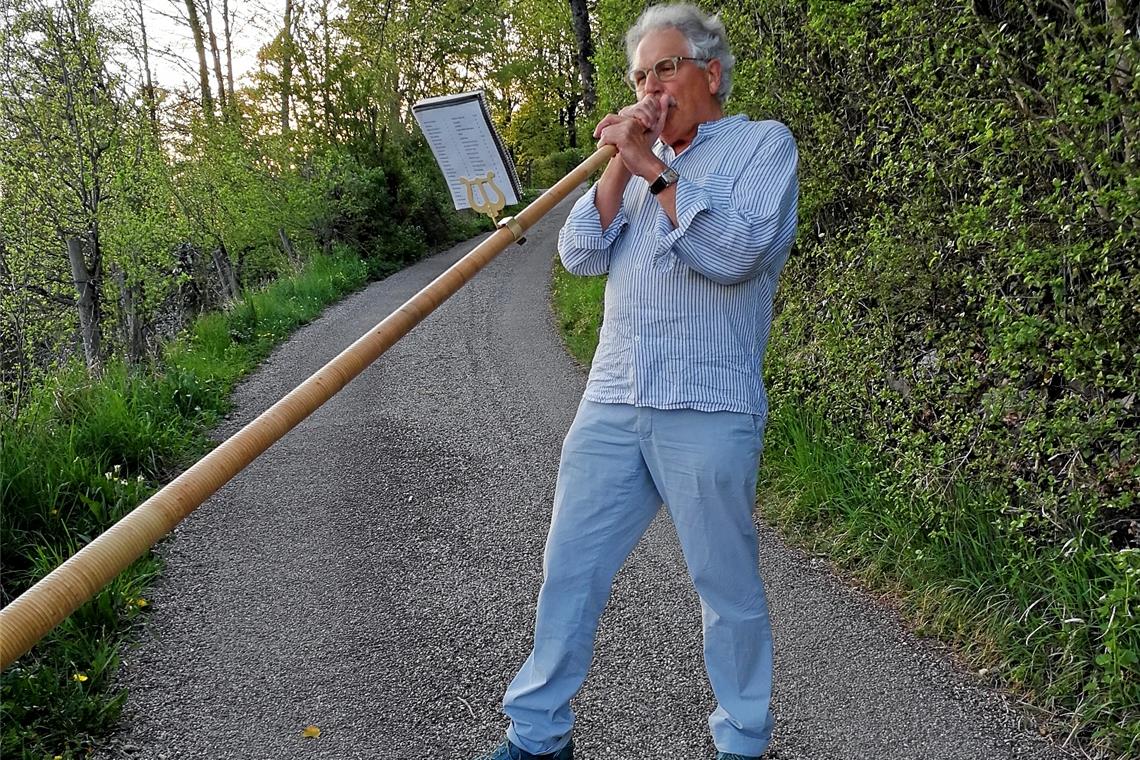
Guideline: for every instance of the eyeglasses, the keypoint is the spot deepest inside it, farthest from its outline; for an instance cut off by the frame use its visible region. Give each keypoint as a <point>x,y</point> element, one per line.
<point>664,70</point>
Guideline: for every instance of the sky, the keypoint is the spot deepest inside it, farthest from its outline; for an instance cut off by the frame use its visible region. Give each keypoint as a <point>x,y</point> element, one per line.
<point>174,64</point>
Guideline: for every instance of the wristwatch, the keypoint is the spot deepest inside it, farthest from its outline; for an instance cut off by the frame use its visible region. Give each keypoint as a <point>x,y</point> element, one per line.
<point>668,178</point>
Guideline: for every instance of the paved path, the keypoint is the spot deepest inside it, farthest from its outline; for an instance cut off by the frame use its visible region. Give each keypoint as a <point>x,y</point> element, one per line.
<point>375,574</point>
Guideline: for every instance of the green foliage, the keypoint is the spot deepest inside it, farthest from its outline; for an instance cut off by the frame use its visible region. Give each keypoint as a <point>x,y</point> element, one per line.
<point>84,453</point>
<point>394,213</point>
<point>578,304</point>
<point>538,98</point>
<point>62,700</point>
<point>961,566</point>
<point>535,131</point>
<point>58,146</point>
<point>81,457</point>
<point>960,306</point>
<point>263,319</point>
<point>234,192</point>
<point>546,171</point>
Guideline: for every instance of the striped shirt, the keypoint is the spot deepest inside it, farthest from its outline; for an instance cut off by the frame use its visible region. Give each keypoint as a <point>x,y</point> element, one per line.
<point>688,310</point>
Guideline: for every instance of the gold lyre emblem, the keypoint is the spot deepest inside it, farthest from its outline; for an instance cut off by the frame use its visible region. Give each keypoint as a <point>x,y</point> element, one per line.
<point>491,197</point>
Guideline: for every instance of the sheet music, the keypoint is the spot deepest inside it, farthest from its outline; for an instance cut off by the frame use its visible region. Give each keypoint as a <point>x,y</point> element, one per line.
<point>459,131</point>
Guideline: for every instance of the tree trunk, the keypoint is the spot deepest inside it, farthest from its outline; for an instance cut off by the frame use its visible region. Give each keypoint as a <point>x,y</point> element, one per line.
<point>189,292</point>
<point>572,120</point>
<point>240,267</point>
<point>225,269</point>
<point>326,96</point>
<point>287,247</point>
<point>326,234</point>
<point>286,66</point>
<point>203,68</point>
<point>151,100</point>
<point>217,58</point>
<point>130,294</point>
<point>229,50</point>
<point>581,18</point>
<point>87,285</point>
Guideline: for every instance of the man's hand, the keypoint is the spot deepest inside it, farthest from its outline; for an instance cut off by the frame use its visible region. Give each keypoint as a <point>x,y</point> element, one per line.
<point>634,130</point>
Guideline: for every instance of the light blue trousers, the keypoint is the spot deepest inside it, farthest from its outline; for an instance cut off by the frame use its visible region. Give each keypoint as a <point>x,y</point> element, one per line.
<point>619,463</point>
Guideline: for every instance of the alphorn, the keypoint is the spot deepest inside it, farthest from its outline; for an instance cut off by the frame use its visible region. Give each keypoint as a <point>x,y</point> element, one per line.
<point>31,615</point>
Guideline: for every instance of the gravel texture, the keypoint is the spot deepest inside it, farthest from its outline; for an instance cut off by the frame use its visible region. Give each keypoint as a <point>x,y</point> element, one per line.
<point>375,574</point>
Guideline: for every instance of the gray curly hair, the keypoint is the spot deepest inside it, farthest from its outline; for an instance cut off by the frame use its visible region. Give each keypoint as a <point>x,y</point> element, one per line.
<point>705,34</point>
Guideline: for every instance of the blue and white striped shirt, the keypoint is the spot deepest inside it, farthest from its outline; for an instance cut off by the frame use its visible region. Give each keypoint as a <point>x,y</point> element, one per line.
<point>688,310</point>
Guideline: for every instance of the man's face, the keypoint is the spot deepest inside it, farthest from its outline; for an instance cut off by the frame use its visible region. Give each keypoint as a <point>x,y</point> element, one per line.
<point>692,90</point>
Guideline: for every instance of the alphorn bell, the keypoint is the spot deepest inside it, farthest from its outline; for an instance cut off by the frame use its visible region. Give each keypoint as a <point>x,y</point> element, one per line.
<point>39,609</point>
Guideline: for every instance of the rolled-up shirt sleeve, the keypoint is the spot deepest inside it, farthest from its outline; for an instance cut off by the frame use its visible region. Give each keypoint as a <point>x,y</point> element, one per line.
<point>731,228</point>
<point>583,245</point>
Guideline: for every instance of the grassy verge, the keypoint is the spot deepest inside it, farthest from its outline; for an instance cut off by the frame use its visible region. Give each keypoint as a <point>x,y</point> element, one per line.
<point>578,309</point>
<point>1055,624</point>
<point>82,454</point>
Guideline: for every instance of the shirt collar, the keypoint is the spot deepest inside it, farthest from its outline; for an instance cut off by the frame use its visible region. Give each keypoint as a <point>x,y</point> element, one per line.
<point>705,130</point>
<point>710,128</point>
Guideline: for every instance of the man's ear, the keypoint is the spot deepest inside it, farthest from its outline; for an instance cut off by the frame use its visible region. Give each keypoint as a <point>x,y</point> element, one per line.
<point>714,71</point>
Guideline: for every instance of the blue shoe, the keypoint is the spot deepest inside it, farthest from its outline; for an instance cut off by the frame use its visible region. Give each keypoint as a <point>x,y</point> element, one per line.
<point>508,751</point>
<point>730,756</point>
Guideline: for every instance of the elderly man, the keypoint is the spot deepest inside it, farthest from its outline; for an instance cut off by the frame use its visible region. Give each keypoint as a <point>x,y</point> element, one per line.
<point>693,220</point>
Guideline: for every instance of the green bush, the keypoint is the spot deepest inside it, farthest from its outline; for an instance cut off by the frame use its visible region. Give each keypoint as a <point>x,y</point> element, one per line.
<point>544,172</point>
<point>961,307</point>
<point>396,211</point>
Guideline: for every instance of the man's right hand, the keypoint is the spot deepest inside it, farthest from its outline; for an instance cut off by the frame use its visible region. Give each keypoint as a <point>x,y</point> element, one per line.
<point>634,130</point>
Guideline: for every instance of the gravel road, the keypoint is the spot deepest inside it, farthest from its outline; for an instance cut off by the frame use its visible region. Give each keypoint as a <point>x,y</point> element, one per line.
<point>375,574</point>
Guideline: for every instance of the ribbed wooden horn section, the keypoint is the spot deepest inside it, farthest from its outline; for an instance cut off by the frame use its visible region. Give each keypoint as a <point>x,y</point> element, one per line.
<point>39,609</point>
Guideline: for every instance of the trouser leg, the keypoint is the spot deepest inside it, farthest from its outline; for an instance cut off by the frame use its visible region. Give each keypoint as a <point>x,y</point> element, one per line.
<point>604,501</point>
<point>704,465</point>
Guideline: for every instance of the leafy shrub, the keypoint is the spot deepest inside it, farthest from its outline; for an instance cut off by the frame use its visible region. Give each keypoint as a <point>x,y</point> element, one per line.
<point>960,307</point>
<point>544,172</point>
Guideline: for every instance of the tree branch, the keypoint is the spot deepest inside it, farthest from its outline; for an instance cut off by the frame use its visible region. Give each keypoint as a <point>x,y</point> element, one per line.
<point>40,290</point>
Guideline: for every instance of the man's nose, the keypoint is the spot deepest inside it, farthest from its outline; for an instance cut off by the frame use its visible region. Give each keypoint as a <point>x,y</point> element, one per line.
<point>653,85</point>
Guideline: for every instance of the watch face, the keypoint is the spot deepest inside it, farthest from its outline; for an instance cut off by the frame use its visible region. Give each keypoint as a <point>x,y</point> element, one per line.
<point>670,175</point>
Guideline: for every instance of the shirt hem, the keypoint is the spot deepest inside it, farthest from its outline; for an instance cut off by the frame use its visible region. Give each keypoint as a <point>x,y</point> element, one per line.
<point>698,406</point>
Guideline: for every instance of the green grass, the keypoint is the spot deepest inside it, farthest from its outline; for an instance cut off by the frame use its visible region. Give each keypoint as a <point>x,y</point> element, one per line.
<point>1056,623</point>
<point>85,452</point>
<point>578,309</point>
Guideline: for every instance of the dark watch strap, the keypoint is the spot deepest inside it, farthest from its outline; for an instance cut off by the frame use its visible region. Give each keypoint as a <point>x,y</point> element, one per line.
<point>667,178</point>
